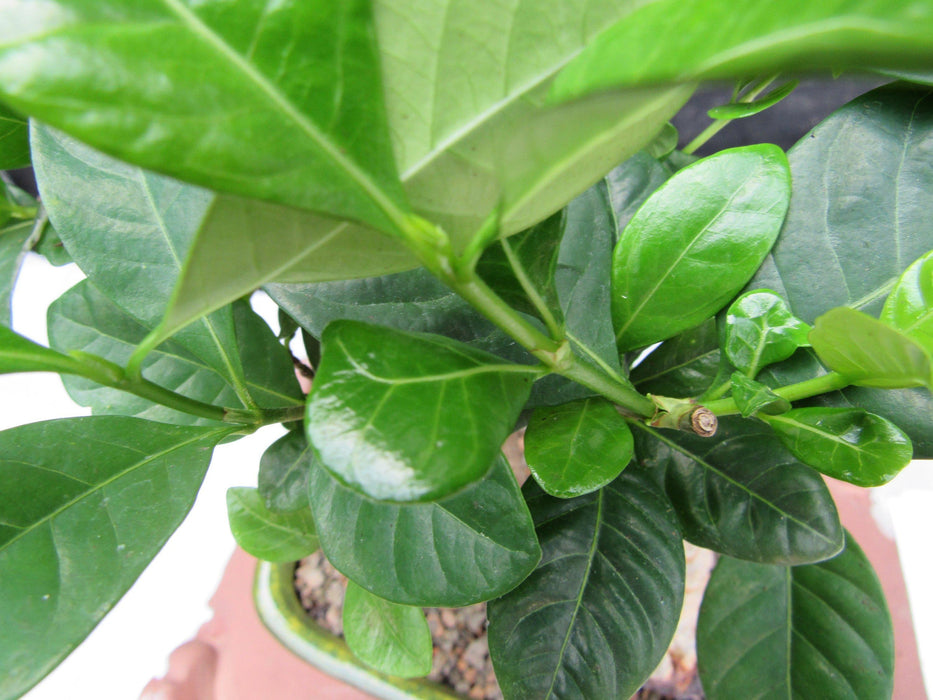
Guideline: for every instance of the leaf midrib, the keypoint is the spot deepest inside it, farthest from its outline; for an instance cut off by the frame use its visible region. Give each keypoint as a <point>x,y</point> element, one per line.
<point>220,434</point>
<point>285,106</point>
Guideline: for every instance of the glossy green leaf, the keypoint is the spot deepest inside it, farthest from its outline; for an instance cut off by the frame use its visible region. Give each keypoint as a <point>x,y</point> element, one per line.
<point>754,397</point>
<point>84,319</point>
<point>282,104</point>
<point>128,231</point>
<point>739,110</point>
<point>683,366</point>
<point>72,539</point>
<point>715,41</point>
<point>283,473</point>
<point>407,417</point>
<point>855,446</point>
<point>819,630</point>
<point>869,353</point>
<point>909,409</point>
<point>270,535</point>
<point>597,614</point>
<point>461,550</point>
<point>19,354</point>
<point>909,307</point>
<point>14,244</point>
<point>577,447</point>
<point>861,183</point>
<point>459,158</point>
<point>389,637</point>
<point>676,263</point>
<point>742,494</point>
<point>14,140</point>
<point>761,330</point>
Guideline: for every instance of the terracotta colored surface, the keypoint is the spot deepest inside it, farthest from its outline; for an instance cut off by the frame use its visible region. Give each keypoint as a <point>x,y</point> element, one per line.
<point>250,663</point>
<point>854,505</point>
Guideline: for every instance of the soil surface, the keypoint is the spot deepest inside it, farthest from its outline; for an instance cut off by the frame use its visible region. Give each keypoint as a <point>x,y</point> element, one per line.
<point>461,651</point>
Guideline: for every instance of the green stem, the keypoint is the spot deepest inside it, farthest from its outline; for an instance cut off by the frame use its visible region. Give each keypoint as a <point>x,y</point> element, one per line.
<point>437,256</point>
<point>718,125</point>
<point>792,392</point>
<point>101,371</point>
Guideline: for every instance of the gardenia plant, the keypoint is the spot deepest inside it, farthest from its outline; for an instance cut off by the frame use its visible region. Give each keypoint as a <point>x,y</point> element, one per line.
<point>432,193</point>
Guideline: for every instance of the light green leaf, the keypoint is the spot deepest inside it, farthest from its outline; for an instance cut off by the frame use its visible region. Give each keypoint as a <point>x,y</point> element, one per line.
<point>14,244</point>
<point>739,110</point>
<point>128,231</point>
<point>269,535</point>
<point>283,473</point>
<point>73,539</point>
<point>14,140</point>
<point>861,183</point>
<point>664,143</point>
<point>461,550</point>
<point>19,354</point>
<point>84,319</point>
<point>909,307</point>
<point>715,41</point>
<point>761,330</point>
<point>631,183</point>
<point>389,637</point>
<point>279,103</point>
<point>869,353</point>
<point>855,446</point>
<point>742,494</point>
<point>820,630</point>
<point>597,614</point>
<point>754,397</point>
<point>696,241</point>
<point>410,417</point>
<point>577,447</point>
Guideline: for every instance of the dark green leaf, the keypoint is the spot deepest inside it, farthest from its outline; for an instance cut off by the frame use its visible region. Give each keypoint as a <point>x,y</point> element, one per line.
<point>696,241</point>
<point>754,397</point>
<point>820,630</point>
<point>270,535</point>
<point>521,268</point>
<point>73,538</point>
<point>631,183</point>
<point>408,417</point>
<point>13,248</point>
<point>716,41</point>
<point>84,319</point>
<point>14,140</point>
<point>855,446</point>
<point>869,353</point>
<point>597,614</point>
<point>128,230</point>
<point>861,183</point>
<point>761,330</point>
<point>146,71</point>
<point>19,354</point>
<point>577,447</point>
<point>742,494</point>
<point>461,550</point>
<point>683,366</point>
<point>392,638</point>
<point>909,307</point>
<point>283,473</point>
<point>738,110</point>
